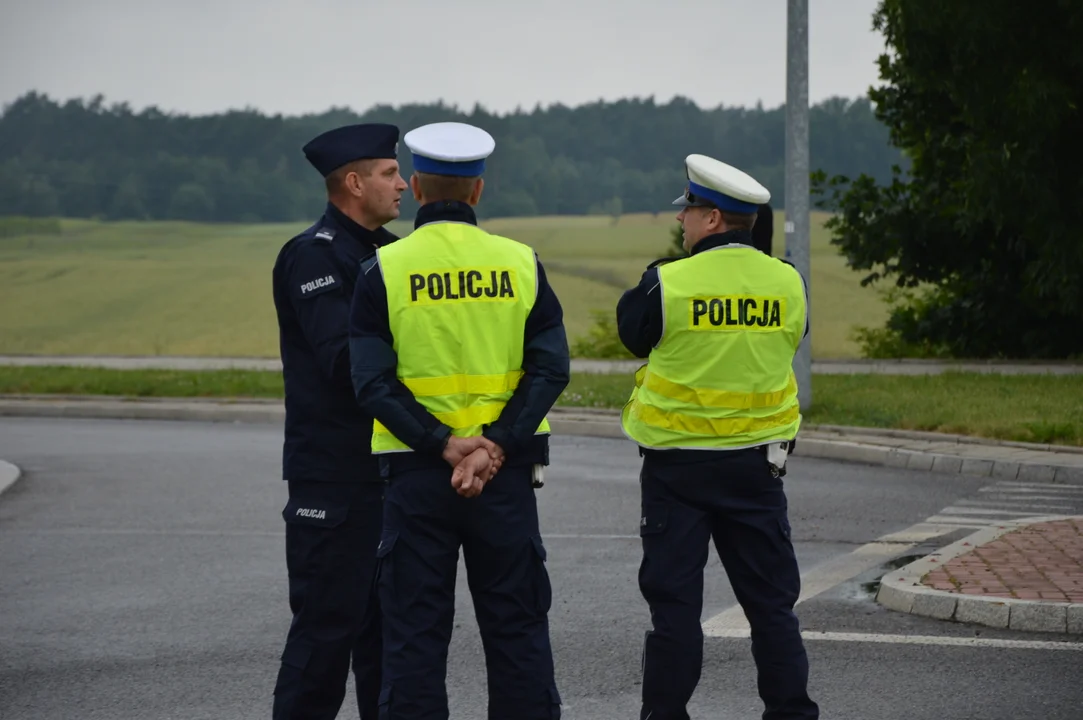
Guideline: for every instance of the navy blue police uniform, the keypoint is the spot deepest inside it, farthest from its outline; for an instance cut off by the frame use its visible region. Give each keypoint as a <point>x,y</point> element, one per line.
<point>735,498</point>
<point>426,521</point>
<point>334,512</point>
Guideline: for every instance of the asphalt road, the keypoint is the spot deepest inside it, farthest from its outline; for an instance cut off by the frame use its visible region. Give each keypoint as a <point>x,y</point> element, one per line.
<point>142,577</point>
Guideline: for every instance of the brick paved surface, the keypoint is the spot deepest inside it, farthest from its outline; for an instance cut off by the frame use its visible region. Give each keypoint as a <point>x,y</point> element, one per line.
<point>1039,562</point>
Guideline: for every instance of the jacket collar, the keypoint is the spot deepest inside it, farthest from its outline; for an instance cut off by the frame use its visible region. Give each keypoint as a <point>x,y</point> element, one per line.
<point>376,238</point>
<point>730,237</point>
<point>445,211</point>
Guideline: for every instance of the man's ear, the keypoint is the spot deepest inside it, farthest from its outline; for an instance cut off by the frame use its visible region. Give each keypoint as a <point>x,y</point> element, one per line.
<point>353,185</point>
<point>716,222</point>
<point>415,187</point>
<point>479,186</point>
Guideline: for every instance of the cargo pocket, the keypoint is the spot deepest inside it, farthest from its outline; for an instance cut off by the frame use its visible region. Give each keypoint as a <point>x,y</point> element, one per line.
<point>290,684</point>
<point>784,547</point>
<point>385,569</point>
<point>654,579</point>
<point>654,520</point>
<point>543,588</point>
<point>784,526</point>
<point>311,547</point>
<point>385,702</point>
<point>554,699</point>
<point>784,572</point>
<point>387,544</point>
<point>296,656</point>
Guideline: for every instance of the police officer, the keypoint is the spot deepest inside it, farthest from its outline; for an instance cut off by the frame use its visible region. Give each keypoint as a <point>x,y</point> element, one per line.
<point>333,516</point>
<point>715,413</point>
<point>457,343</point>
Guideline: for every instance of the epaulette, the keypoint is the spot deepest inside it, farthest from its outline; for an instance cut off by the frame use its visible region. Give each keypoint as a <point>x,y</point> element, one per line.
<point>325,233</point>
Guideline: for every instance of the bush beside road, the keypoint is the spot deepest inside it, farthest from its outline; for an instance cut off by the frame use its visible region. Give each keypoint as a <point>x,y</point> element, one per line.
<point>1026,408</point>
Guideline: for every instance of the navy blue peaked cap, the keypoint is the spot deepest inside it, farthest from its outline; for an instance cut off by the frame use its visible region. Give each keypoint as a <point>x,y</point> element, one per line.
<point>334,148</point>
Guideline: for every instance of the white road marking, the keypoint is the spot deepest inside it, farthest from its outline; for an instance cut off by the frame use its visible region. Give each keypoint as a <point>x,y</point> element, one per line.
<point>1019,489</point>
<point>1028,506</point>
<point>827,575</point>
<point>959,522</point>
<point>732,622</point>
<point>1043,486</point>
<point>914,534</point>
<point>944,640</point>
<point>1013,498</point>
<point>1011,512</point>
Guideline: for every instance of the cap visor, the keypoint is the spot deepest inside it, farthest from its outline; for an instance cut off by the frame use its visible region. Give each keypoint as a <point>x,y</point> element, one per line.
<point>682,201</point>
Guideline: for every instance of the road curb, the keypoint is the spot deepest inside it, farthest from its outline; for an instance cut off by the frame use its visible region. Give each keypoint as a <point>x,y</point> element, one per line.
<point>920,451</point>
<point>9,475</point>
<point>832,442</point>
<point>942,438</point>
<point>902,591</point>
<point>112,408</point>
<point>811,445</point>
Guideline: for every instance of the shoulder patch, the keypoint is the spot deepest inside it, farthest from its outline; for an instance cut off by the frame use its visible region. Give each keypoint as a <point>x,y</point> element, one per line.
<point>325,233</point>
<point>317,285</point>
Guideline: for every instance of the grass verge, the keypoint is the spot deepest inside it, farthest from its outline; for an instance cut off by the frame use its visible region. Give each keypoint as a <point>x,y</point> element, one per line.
<point>1029,408</point>
<point>140,383</point>
<point>1026,408</point>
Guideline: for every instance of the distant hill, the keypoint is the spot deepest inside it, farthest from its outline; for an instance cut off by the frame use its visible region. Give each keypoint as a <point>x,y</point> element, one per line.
<point>85,159</point>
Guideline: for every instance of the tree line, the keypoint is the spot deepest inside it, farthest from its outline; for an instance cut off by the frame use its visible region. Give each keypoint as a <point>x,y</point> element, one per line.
<point>86,158</point>
<point>982,240</point>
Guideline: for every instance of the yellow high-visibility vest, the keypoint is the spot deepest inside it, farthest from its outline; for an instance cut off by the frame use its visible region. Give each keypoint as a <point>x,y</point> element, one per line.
<point>721,377</point>
<point>457,302</point>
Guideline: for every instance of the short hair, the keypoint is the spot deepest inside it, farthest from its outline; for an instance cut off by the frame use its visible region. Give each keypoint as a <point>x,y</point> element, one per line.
<point>445,187</point>
<point>738,221</point>
<point>734,221</point>
<point>338,176</point>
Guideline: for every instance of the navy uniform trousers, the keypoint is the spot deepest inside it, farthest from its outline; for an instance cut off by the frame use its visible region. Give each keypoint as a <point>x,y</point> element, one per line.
<point>735,500</point>
<point>332,533</point>
<point>425,523</point>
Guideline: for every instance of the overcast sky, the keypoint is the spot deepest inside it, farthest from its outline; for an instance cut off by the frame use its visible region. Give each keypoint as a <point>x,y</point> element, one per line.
<point>301,56</point>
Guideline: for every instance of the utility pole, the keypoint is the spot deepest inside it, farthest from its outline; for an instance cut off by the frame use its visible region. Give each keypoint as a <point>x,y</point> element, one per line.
<point>797,174</point>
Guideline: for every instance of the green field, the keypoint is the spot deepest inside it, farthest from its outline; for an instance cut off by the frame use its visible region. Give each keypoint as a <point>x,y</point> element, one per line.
<point>170,288</point>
